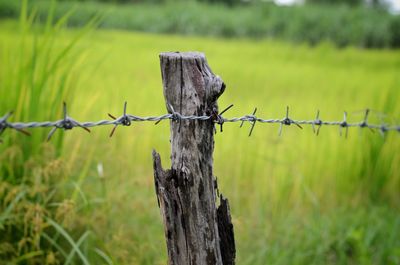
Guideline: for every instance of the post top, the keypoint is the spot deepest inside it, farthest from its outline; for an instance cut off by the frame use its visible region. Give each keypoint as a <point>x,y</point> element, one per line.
<point>183,55</point>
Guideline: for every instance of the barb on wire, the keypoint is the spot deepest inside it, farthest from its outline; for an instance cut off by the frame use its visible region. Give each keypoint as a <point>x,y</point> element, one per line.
<point>4,125</point>
<point>288,121</point>
<point>344,124</point>
<point>122,120</point>
<point>383,129</point>
<point>68,123</point>
<point>252,119</point>
<point>217,118</point>
<point>317,122</point>
<point>364,123</point>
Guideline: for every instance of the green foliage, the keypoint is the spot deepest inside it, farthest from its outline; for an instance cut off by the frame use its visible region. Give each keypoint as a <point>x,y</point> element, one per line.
<point>40,73</point>
<point>295,199</point>
<point>340,24</point>
<point>25,207</point>
<point>38,218</point>
<point>335,2</point>
<point>38,221</point>
<point>9,8</point>
<point>339,237</point>
<point>226,2</point>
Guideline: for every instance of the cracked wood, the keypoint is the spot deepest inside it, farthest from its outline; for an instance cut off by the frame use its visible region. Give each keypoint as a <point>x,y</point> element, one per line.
<point>195,232</point>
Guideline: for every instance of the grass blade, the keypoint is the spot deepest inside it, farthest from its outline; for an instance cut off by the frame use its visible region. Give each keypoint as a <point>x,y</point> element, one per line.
<point>65,234</point>
<point>103,255</point>
<point>78,243</point>
<point>6,214</point>
<point>27,256</point>
<point>55,244</point>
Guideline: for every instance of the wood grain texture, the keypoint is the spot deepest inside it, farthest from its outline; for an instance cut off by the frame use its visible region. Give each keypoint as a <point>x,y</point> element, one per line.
<point>187,192</point>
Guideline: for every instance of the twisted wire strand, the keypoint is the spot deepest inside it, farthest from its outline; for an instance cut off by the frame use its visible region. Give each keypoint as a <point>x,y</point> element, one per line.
<point>68,123</point>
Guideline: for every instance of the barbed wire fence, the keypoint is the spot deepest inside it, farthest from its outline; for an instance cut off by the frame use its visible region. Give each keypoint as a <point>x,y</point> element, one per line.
<point>68,123</point>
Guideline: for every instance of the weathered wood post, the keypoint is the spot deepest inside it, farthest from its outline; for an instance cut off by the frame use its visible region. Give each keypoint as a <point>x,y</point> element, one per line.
<point>196,231</point>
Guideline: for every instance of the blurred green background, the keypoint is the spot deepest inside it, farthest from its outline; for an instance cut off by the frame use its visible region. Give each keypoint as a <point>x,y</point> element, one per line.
<point>296,199</point>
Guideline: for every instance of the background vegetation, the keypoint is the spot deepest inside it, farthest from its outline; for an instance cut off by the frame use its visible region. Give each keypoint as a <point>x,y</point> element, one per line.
<point>36,210</point>
<point>238,2</point>
<point>295,199</point>
<point>340,24</point>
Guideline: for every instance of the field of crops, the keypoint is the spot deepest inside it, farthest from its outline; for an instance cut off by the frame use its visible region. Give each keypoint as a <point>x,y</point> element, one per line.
<point>295,199</point>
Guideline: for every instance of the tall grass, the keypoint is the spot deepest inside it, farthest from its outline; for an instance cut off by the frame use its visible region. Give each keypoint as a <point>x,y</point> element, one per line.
<point>38,223</point>
<point>40,74</point>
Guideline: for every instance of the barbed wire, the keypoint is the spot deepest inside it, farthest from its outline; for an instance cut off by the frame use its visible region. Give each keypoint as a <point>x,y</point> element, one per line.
<point>68,123</point>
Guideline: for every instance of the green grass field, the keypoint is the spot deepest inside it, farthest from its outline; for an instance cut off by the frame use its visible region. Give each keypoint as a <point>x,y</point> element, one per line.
<point>295,199</point>
<point>340,24</point>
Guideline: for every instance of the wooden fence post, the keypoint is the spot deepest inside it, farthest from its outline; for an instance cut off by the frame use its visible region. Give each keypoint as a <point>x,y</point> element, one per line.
<point>196,231</point>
